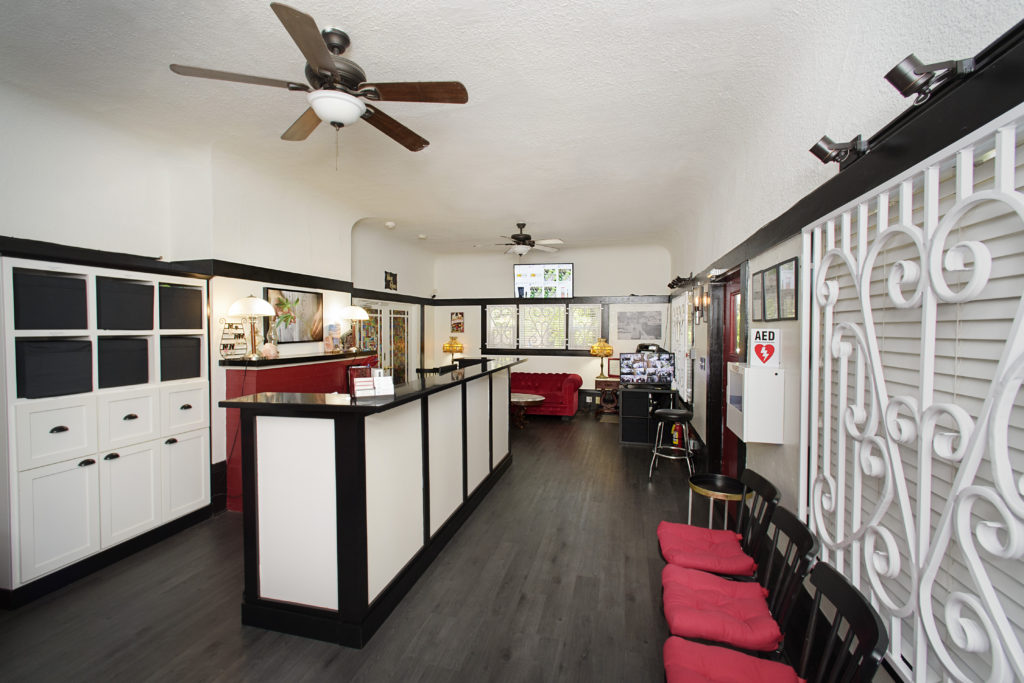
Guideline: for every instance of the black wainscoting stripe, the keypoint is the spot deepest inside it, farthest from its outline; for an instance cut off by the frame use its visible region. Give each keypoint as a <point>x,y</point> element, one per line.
<point>250,551</point>
<point>11,599</point>
<point>425,432</point>
<point>490,423</point>
<point>350,488</point>
<point>465,447</point>
<point>241,271</point>
<point>219,486</point>
<point>61,253</point>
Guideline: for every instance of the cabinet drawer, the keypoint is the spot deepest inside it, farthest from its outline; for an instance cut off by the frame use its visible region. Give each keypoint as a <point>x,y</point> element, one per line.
<point>52,430</point>
<point>127,417</point>
<point>184,407</point>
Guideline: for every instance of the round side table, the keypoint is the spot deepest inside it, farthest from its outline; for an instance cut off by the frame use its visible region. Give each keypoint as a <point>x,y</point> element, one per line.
<point>518,403</point>
<point>715,487</point>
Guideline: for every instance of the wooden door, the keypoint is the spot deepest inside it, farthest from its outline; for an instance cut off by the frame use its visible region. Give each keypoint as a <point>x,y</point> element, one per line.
<point>732,352</point>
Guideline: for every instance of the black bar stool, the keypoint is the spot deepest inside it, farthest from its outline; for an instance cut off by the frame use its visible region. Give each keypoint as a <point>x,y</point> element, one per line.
<point>671,416</point>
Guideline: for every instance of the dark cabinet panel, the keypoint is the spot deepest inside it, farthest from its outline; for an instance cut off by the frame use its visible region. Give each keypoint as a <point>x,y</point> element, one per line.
<point>122,361</point>
<point>52,367</point>
<point>49,301</point>
<point>123,304</point>
<point>180,357</point>
<point>181,307</point>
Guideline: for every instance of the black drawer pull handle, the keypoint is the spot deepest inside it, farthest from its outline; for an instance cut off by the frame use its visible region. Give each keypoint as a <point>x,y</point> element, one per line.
<point>186,406</point>
<point>87,462</point>
<point>58,429</point>
<point>170,441</point>
<point>130,416</point>
<point>111,456</point>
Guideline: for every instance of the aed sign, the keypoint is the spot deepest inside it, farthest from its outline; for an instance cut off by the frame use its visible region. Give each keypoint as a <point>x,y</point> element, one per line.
<point>764,347</point>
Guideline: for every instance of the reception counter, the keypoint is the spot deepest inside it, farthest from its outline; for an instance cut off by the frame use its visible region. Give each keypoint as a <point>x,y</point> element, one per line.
<point>346,504</point>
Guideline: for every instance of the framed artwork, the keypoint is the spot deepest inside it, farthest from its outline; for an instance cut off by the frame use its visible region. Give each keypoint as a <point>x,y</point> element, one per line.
<point>458,322</point>
<point>639,325</point>
<point>757,296</point>
<point>771,293</point>
<point>613,370</point>
<point>787,289</point>
<point>391,281</point>
<point>300,315</point>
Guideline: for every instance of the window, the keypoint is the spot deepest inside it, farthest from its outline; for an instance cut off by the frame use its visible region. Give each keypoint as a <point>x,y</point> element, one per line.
<point>543,326</point>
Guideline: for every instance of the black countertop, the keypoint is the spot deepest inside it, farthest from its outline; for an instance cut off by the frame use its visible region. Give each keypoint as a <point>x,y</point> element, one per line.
<point>281,402</point>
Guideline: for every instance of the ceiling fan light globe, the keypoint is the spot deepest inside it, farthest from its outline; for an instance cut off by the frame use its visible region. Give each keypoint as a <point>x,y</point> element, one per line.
<point>520,249</point>
<point>334,106</point>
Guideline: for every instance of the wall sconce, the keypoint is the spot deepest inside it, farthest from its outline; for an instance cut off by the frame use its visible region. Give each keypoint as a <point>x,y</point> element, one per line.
<point>827,151</point>
<point>912,77</point>
<point>453,346</point>
<point>698,305</point>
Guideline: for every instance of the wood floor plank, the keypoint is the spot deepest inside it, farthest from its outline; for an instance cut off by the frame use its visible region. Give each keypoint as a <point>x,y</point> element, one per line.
<point>555,577</point>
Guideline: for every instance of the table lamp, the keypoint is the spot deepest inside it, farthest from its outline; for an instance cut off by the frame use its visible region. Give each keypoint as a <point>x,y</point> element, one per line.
<point>453,346</point>
<point>602,349</point>
<point>250,308</point>
<point>352,314</point>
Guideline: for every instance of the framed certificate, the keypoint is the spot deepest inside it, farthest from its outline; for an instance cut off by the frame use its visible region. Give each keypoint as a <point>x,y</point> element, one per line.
<point>757,296</point>
<point>787,289</point>
<point>771,293</point>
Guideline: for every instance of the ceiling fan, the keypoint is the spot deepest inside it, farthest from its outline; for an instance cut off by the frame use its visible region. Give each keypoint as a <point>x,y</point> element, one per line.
<point>522,242</point>
<point>338,86</point>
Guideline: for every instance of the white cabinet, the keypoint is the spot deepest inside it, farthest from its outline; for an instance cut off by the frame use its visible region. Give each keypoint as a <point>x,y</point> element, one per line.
<point>130,492</point>
<point>186,473</point>
<point>755,401</point>
<point>59,515</point>
<point>53,430</point>
<point>106,408</point>
<point>127,417</point>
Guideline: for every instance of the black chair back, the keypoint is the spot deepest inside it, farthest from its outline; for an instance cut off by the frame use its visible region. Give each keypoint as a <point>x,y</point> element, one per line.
<point>752,523</point>
<point>784,563</point>
<point>847,641</point>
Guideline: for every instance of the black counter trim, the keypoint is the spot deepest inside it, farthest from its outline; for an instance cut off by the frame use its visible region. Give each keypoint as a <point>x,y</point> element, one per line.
<point>219,486</point>
<point>350,487</point>
<point>12,599</point>
<point>425,422</point>
<point>465,445</point>
<point>293,360</point>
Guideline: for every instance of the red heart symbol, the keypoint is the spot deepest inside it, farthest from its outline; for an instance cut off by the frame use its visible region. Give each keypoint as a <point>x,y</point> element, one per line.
<point>764,351</point>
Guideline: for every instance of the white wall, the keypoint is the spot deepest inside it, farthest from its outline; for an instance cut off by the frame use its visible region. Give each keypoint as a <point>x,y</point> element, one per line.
<point>441,331</point>
<point>597,271</point>
<point>376,249</point>
<point>780,463</point>
<point>73,180</point>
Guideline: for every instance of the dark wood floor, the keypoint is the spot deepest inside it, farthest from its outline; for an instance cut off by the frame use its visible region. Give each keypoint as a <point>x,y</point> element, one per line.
<point>556,577</point>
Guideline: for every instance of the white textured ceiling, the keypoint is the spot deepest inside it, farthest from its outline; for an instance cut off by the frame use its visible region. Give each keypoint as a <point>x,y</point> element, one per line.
<point>593,121</point>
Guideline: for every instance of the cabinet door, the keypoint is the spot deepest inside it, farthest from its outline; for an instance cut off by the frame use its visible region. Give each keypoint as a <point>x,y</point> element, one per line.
<point>128,417</point>
<point>130,492</point>
<point>184,407</point>
<point>186,473</point>
<point>59,515</point>
<point>53,430</point>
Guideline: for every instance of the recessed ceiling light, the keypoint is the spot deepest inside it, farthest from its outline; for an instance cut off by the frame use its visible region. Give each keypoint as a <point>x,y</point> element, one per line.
<point>421,236</point>
<point>390,225</point>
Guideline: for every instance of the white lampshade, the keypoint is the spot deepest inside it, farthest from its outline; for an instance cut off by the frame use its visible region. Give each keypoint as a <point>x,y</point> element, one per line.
<point>251,305</point>
<point>354,313</point>
<point>334,106</point>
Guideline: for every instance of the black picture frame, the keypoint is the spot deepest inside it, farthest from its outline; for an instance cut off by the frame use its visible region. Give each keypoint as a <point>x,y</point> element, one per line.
<point>390,281</point>
<point>308,325</point>
<point>757,296</point>
<point>771,293</point>
<point>788,289</point>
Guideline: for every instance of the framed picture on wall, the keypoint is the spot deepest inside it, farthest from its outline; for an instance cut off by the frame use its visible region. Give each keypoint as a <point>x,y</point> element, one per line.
<point>771,293</point>
<point>757,296</point>
<point>300,315</point>
<point>390,281</point>
<point>787,290</point>
<point>458,322</point>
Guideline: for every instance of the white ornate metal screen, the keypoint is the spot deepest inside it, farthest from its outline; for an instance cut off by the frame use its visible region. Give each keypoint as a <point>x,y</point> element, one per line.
<point>913,417</point>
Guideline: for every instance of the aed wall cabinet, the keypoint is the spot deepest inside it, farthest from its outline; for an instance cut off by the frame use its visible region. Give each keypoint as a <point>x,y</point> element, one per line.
<point>105,399</point>
<point>754,401</point>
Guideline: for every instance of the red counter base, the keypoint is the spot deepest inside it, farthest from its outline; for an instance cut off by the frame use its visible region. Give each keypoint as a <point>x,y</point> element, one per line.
<point>320,377</point>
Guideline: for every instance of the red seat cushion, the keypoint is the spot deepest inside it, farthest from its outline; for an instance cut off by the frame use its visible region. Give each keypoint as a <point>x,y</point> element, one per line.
<point>711,550</point>
<point>689,662</point>
<point>708,607</point>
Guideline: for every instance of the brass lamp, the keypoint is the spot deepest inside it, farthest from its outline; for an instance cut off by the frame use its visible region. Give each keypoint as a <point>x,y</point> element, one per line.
<point>251,308</point>
<point>602,349</point>
<point>453,346</point>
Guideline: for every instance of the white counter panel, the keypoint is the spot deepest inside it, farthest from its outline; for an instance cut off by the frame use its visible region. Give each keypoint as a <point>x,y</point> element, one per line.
<point>478,408</point>
<point>445,420</point>
<point>500,393</point>
<point>298,538</point>
<point>394,492</point>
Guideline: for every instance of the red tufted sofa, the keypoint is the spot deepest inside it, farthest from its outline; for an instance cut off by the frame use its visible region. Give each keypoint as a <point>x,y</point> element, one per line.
<point>559,389</point>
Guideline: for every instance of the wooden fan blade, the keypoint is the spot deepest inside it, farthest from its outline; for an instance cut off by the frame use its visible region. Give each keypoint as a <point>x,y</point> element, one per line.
<point>541,247</point>
<point>236,78</point>
<point>450,92</point>
<point>394,130</point>
<point>553,240</point>
<point>304,32</point>
<point>303,126</point>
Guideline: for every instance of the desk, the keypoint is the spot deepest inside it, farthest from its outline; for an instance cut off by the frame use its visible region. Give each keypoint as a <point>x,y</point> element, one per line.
<point>715,487</point>
<point>519,402</point>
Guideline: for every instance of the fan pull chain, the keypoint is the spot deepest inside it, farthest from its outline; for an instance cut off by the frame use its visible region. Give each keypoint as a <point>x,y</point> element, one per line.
<point>337,138</point>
